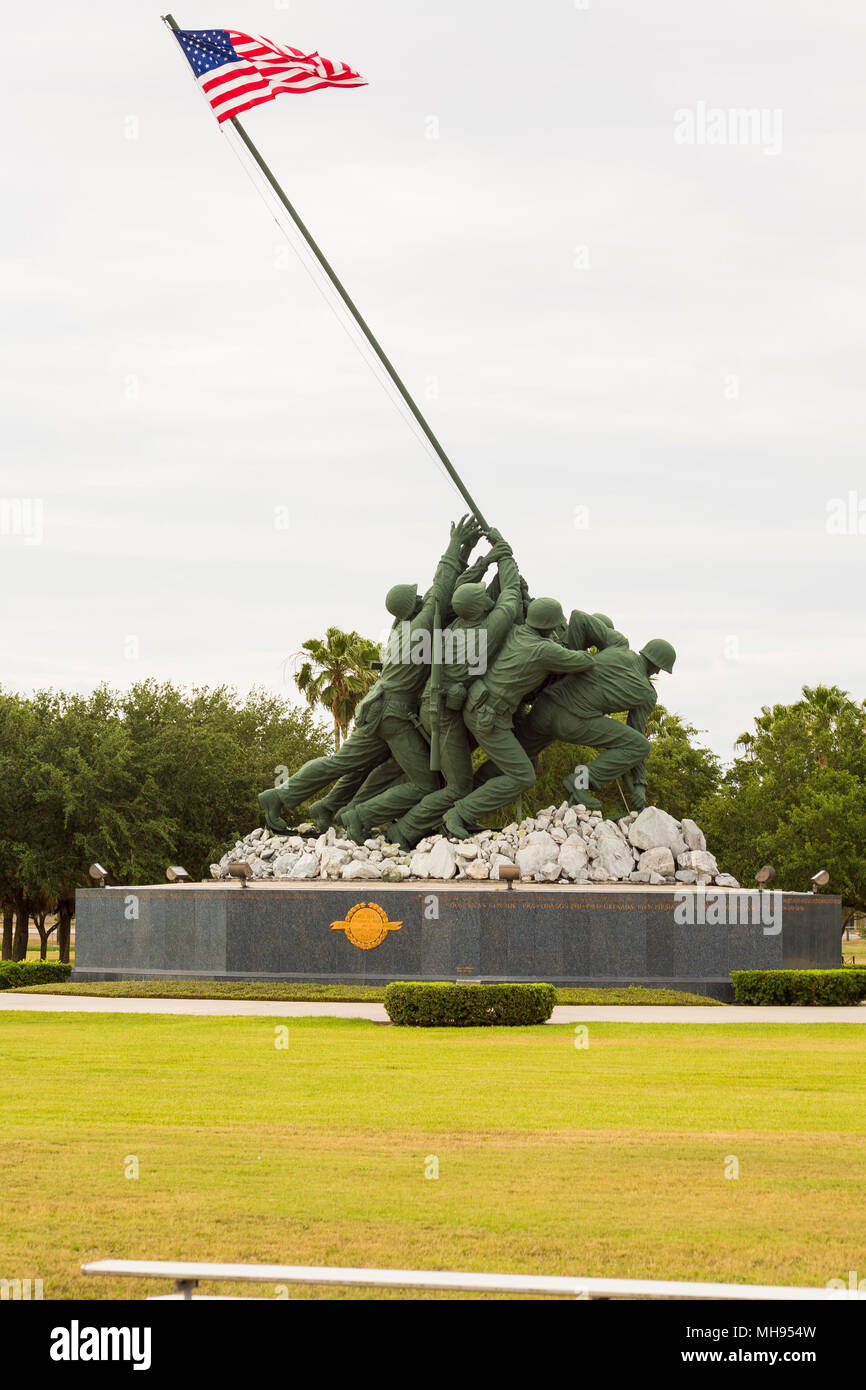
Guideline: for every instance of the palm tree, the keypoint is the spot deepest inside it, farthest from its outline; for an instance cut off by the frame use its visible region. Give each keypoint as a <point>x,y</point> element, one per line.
<point>337,673</point>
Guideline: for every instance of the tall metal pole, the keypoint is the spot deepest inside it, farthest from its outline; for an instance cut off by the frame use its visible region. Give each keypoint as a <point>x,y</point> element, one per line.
<point>355,312</point>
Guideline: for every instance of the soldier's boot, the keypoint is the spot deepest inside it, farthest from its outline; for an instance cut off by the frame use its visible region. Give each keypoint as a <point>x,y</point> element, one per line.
<point>272,804</point>
<point>396,835</point>
<point>455,826</point>
<point>578,796</point>
<point>351,823</point>
<point>323,815</point>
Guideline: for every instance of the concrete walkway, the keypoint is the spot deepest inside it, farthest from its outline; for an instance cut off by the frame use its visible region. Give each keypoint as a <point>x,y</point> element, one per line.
<point>563,1013</point>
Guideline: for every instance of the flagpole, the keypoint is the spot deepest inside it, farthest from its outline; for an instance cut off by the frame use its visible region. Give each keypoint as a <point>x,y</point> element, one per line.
<point>355,312</point>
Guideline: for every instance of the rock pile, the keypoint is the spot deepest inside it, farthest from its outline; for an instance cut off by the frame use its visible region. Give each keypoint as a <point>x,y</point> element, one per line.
<point>564,844</point>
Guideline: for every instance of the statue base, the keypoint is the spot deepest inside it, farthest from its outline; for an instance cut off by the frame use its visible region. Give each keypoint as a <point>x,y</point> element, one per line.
<point>372,933</point>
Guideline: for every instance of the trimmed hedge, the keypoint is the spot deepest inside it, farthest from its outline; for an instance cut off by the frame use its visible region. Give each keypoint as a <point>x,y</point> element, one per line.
<point>14,974</point>
<point>843,986</point>
<point>468,1006</point>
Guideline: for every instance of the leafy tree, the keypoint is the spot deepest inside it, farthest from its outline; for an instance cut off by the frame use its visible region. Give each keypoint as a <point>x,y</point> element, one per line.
<point>337,675</point>
<point>135,780</point>
<point>796,797</point>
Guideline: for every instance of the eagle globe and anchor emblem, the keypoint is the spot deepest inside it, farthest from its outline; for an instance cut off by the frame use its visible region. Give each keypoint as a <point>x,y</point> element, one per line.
<point>366,925</point>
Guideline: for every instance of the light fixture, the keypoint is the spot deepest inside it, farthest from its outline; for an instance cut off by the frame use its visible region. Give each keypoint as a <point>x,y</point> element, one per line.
<point>820,879</point>
<point>239,868</point>
<point>98,874</point>
<point>175,873</point>
<point>765,875</point>
<point>509,872</point>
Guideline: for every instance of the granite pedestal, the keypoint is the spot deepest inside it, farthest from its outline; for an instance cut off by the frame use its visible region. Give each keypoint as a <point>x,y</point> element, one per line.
<point>564,934</point>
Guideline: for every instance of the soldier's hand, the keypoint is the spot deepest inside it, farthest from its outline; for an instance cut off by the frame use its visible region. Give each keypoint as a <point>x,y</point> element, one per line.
<point>466,531</point>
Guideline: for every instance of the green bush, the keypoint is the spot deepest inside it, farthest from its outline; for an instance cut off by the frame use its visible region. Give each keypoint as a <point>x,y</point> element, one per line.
<point>14,974</point>
<point>468,1006</point>
<point>843,986</point>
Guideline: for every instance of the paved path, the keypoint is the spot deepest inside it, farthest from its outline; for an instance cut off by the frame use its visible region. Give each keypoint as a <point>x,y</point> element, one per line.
<point>563,1013</point>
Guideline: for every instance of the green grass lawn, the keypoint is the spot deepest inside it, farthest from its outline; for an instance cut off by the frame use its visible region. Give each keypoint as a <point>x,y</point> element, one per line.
<point>608,1160</point>
<point>367,994</point>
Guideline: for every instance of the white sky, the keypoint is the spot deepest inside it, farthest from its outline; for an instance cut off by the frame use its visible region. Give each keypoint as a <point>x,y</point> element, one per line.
<point>693,376</point>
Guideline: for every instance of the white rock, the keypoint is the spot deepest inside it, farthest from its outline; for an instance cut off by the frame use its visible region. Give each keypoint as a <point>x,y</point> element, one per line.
<point>544,838</point>
<point>306,867</point>
<point>573,859</point>
<point>558,834</point>
<point>609,852</point>
<point>361,868</point>
<point>639,876</point>
<point>699,859</point>
<point>216,871</point>
<point>285,863</point>
<point>686,876</point>
<point>655,878</point>
<point>333,860</point>
<point>419,865</point>
<point>658,861</point>
<point>726,881</point>
<point>654,829</point>
<point>394,873</point>
<point>476,868</point>
<point>548,873</point>
<point>529,858</point>
<point>693,835</point>
<point>496,864</point>
<point>442,862</point>
<point>465,849</point>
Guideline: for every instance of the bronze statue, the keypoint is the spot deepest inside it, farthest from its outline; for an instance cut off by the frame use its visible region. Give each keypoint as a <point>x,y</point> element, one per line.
<point>386,721</point>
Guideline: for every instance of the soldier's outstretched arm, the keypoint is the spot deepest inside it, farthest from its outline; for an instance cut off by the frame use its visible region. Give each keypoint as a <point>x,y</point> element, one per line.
<point>561,659</point>
<point>464,533</point>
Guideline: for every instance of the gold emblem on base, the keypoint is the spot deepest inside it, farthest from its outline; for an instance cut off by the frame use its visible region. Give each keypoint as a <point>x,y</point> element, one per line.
<point>366,926</point>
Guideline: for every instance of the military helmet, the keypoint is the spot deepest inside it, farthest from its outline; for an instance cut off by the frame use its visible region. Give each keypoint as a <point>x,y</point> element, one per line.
<point>603,618</point>
<point>660,653</point>
<point>545,614</point>
<point>401,600</point>
<point>471,602</point>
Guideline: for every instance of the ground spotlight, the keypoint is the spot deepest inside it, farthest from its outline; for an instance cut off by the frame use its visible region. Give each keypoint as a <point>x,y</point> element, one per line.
<point>509,872</point>
<point>98,874</point>
<point>239,868</point>
<point>765,875</point>
<point>175,873</point>
<point>820,879</point>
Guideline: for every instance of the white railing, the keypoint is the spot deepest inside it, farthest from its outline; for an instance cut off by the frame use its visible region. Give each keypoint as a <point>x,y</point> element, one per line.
<point>187,1276</point>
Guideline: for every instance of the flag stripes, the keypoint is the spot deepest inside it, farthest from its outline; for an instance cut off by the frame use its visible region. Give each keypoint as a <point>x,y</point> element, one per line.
<point>238,71</point>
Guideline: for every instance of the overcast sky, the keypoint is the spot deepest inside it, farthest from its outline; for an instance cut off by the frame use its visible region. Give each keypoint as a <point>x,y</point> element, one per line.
<point>644,352</point>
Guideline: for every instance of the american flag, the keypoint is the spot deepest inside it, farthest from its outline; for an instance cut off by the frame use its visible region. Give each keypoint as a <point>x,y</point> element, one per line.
<point>237,71</point>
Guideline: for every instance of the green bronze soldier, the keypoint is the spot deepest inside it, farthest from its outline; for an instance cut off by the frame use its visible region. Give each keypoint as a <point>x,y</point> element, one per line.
<point>474,636</point>
<point>528,655</point>
<point>575,710</point>
<point>386,721</point>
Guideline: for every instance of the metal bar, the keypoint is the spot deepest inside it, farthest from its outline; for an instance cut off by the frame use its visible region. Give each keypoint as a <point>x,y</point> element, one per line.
<point>467,1282</point>
<point>355,312</point>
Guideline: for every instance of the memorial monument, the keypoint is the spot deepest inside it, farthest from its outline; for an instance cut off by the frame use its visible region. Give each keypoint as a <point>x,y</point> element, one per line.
<point>477,679</point>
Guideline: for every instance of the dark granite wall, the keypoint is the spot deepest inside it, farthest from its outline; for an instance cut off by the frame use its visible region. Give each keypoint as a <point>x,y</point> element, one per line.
<point>598,936</point>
